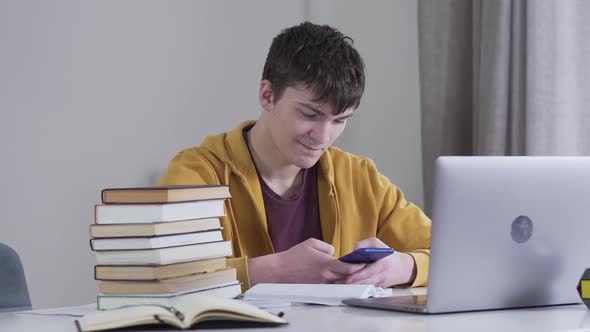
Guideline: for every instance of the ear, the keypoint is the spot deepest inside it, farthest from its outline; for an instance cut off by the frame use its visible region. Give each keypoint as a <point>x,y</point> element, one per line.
<point>265,95</point>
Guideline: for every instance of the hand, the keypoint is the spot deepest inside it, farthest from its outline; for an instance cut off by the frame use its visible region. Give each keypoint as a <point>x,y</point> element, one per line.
<point>395,269</point>
<point>311,262</point>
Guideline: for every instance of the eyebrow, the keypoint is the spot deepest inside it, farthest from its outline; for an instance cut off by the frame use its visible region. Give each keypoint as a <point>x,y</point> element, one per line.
<point>320,113</point>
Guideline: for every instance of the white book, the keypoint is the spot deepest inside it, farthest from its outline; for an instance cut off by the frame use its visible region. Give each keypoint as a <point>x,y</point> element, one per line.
<point>130,243</point>
<point>326,294</point>
<point>154,228</point>
<point>111,301</point>
<point>148,213</point>
<point>164,256</point>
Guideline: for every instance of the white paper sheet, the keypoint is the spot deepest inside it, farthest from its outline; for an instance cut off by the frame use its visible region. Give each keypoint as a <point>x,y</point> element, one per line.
<point>75,311</point>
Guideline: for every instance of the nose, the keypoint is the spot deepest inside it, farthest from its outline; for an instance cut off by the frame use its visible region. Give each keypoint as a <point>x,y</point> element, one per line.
<point>320,134</point>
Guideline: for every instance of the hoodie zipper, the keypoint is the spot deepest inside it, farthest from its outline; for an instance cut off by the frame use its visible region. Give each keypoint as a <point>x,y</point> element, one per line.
<point>230,215</point>
<point>336,240</point>
<point>261,216</point>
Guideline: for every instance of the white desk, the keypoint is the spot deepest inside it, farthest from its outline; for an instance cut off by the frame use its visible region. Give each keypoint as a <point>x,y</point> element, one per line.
<point>342,319</point>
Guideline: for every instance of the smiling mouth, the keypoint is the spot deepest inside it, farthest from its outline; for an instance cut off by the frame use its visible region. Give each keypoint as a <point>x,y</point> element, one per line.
<point>310,148</point>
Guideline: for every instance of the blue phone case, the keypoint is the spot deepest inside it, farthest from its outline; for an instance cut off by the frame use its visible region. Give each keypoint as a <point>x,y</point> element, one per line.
<point>366,255</point>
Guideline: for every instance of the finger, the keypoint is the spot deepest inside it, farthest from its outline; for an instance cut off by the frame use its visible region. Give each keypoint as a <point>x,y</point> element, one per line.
<point>366,273</point>
<point>320,246</point>
<point>371,242</point>
<point>331,277</point>
<point>345,269</point>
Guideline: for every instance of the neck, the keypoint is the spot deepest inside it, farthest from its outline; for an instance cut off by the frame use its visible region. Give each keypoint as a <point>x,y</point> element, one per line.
<point>278,174</point>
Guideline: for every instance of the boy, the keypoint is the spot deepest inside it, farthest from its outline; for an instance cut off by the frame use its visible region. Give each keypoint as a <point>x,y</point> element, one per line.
<point>297,202</point>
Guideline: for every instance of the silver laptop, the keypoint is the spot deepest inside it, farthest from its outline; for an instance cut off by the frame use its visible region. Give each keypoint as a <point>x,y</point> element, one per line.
<point>507,232</point>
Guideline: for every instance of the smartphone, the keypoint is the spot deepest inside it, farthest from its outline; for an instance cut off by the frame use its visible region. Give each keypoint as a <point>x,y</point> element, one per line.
<point>366,255</point>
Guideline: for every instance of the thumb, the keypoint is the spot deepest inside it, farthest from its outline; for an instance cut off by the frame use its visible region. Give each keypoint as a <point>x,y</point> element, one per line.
<point>320,246</point>
<point>371,242</point>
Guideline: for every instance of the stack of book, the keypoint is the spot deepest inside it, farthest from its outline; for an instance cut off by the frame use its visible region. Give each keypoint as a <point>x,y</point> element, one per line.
<point>158,243</point>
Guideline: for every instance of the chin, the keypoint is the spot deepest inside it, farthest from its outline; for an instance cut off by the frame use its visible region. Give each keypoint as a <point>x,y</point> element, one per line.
<point>303,159</point>
<point>305,162</point>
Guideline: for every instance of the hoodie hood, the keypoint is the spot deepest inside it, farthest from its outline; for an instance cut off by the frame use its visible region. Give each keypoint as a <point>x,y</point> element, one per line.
<point>231,149</point>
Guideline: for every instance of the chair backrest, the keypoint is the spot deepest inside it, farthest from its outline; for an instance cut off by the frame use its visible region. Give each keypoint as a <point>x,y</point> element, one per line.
<point>14,293</point>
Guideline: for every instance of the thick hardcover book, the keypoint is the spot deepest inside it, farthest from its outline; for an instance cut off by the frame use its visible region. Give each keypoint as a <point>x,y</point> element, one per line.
<point>147,213</point>
<point>164,256</point>
<point>184,313</point>
<point>229,290</point>
<point>155,272</point>
<point>169,285</point>
<point>154,229</point>
<point>154,242</point>
<point>164,194</point>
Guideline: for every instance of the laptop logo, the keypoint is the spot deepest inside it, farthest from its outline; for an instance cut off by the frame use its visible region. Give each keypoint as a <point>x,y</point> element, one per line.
<point>522,229</point>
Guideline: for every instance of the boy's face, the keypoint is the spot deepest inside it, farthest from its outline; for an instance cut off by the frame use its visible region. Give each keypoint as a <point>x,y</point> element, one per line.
<point>302,129</point>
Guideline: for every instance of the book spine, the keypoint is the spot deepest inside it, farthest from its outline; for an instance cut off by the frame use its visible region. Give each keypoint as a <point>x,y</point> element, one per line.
<point>95,213</point>
<point>102,196</point>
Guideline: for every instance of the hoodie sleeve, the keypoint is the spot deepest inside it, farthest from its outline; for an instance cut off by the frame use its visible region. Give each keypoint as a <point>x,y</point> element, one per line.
<point>241,266</point>
<point>401,224</point>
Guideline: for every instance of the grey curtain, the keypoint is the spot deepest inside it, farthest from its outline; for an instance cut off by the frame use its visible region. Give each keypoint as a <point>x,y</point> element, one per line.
<point>503,77</point>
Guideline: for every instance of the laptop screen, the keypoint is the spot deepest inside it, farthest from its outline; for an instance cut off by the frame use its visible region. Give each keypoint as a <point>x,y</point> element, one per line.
<point>508,232</point>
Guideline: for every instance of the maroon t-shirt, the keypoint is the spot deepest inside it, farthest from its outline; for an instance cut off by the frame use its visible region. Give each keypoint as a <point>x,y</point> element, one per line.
<point>297,218</point>
<point>292,220</point>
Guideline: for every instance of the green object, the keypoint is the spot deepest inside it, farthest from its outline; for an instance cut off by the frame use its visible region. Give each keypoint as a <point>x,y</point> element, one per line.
<point>584,287</point>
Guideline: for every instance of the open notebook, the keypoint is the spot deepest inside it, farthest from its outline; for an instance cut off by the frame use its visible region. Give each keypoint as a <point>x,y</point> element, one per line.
<point>183,312</point>
<point>326,294</point>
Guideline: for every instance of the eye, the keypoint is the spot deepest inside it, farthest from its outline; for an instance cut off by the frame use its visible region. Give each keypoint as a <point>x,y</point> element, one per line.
<point>309,115</point>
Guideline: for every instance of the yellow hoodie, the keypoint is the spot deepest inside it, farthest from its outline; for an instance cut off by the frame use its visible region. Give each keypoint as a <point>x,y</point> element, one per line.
<point>355,201</point>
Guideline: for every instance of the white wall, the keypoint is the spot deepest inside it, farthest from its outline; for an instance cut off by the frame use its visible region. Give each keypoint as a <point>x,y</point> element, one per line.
<point>386,127</point>
<point>103,93</point>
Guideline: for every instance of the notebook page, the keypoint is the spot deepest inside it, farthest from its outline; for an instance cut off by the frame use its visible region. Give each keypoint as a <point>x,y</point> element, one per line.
<point>327,294</point>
